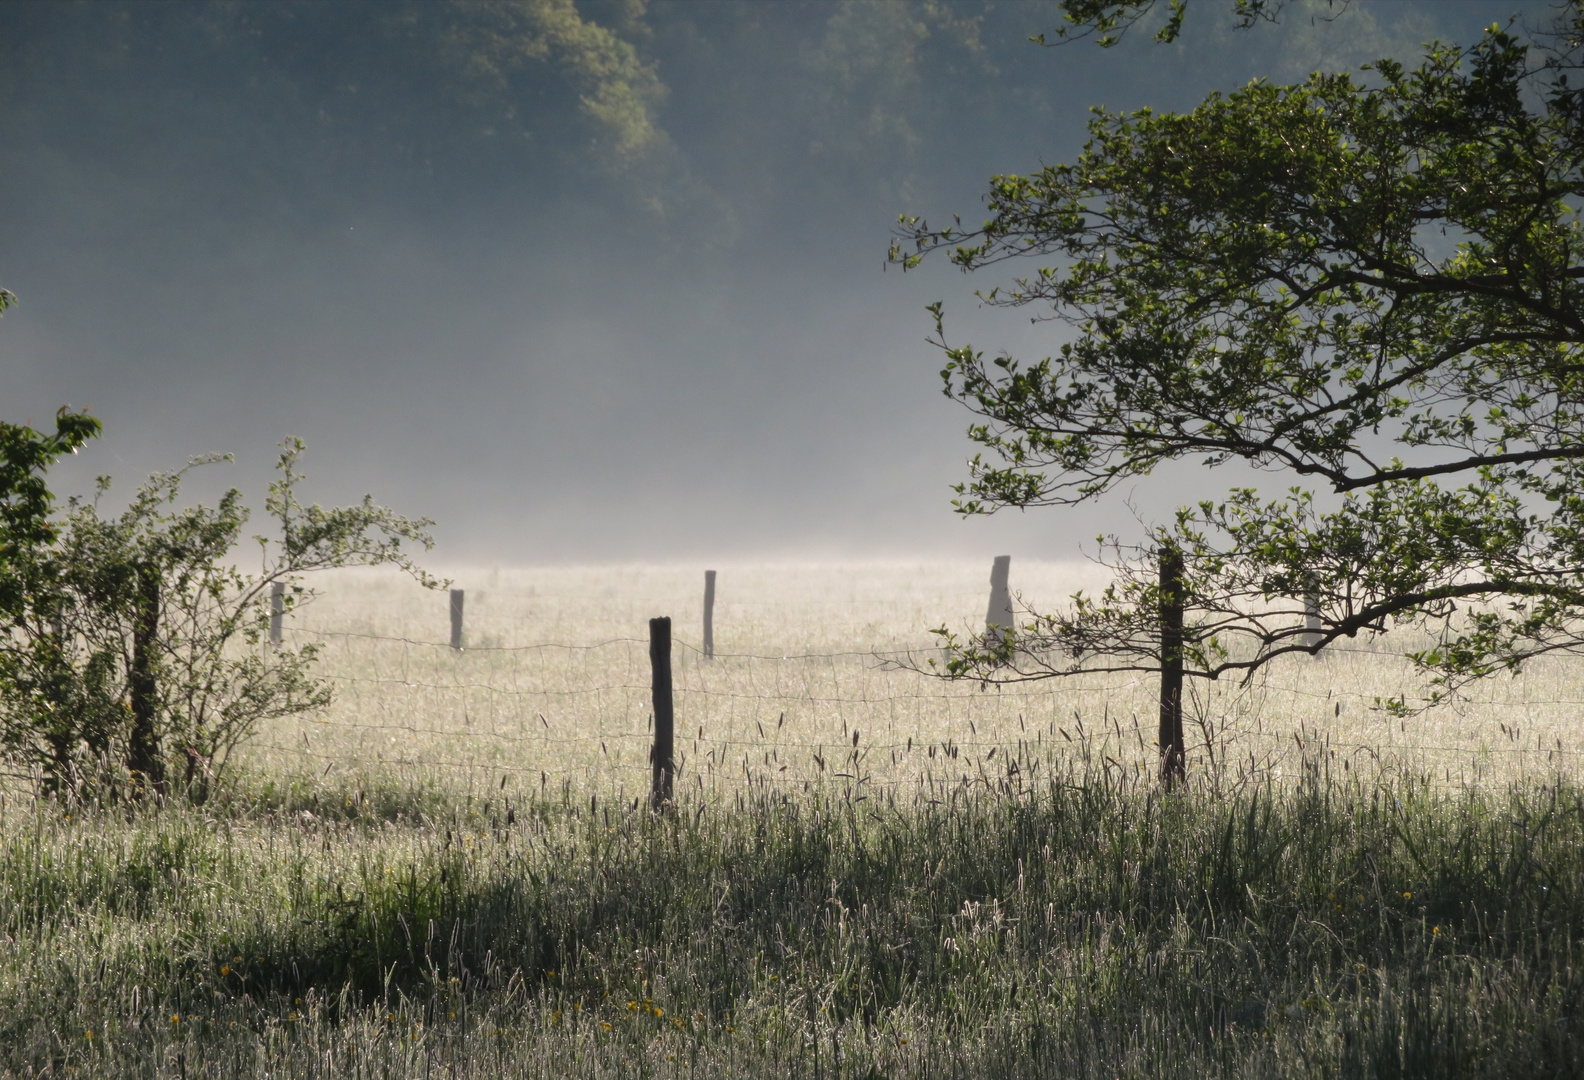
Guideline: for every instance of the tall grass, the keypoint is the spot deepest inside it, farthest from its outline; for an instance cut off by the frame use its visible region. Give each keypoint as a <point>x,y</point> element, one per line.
<point>1084,926</point>
<point>452,873</point>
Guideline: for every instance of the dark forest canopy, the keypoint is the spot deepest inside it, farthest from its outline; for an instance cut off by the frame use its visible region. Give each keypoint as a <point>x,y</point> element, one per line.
<point>390,83</point>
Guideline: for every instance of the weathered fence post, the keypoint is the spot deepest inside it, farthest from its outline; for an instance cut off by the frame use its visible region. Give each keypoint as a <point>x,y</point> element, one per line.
<point>1172,750</point>
<point>456,619</point>
<point>1312,624</point>
<point>999,620</point>
<point>709,614</point>
<point>143,752</point>
<point>660,757</point>
<point>277,610</point>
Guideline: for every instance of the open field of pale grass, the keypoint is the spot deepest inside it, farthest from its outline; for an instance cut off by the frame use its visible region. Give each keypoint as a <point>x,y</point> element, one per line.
<point>553,688</point>
<point>454,873</point>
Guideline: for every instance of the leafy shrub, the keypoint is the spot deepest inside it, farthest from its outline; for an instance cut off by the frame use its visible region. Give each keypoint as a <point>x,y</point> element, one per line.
<point>140,656</point>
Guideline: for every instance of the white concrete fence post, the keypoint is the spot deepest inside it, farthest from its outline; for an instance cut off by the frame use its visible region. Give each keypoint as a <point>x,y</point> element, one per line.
<point>999,619</point>
<point>277,610</point>
<point>1312,625</point>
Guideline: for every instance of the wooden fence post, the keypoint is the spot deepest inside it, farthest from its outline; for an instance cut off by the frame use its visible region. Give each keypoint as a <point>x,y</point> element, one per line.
<point>660,757</point>
<point>456,619</point>
<point>143,751</point>
<point>1172,750</point>
<point>277,610</point>
<point>709,614</point>
<point>999,620</point>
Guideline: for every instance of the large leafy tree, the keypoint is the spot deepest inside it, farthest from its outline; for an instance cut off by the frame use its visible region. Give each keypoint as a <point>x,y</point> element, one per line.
<point>1371,285</point>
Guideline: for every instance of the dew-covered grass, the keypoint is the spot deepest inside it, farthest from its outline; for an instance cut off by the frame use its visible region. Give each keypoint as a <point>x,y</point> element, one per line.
<point>867,873</point>
<point>1086,925</point>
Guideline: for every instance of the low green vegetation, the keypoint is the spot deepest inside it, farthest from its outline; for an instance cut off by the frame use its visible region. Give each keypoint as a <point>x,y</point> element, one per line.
<point>1089,927</point>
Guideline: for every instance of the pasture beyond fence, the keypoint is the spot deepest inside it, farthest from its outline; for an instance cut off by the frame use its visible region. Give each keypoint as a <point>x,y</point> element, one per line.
<point>485,707</point>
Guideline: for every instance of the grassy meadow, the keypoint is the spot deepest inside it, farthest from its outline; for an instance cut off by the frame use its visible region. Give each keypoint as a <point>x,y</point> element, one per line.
<point>553,688</point>
<point>869,873</point>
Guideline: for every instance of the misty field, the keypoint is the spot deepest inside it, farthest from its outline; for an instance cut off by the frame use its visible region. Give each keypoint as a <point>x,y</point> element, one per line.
<point>870,872</point>
<point>552,689</point>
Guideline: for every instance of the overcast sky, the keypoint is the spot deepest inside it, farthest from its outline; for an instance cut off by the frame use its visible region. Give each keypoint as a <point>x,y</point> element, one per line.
<point>581,284</point>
